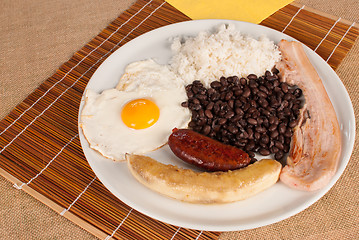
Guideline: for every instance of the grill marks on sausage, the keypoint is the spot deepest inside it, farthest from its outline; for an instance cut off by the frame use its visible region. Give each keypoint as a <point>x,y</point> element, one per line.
<point>255,114</point>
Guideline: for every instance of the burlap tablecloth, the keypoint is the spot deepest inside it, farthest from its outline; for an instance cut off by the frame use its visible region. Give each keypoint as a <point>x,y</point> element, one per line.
<point>37,36</point>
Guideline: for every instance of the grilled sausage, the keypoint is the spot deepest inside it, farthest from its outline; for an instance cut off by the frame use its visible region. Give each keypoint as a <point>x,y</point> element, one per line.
<point>205,152</point>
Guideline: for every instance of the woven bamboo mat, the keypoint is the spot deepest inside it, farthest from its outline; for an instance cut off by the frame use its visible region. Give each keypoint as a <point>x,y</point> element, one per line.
<point>40,151</point>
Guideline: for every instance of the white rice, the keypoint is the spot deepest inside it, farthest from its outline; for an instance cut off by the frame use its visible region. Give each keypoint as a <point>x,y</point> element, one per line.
<point>209,56</point>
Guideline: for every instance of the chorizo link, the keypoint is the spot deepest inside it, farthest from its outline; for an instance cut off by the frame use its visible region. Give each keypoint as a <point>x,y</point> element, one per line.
<point>205,152</point>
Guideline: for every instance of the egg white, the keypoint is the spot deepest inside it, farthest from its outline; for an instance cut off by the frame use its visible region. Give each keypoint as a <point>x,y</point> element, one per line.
<point>149,76</point>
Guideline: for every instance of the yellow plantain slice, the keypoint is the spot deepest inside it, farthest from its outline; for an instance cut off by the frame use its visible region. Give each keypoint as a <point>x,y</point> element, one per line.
<point>204,187</point>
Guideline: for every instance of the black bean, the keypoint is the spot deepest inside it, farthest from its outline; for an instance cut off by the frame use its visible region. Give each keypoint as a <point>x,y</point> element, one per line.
<point>229,114</point>
<point>281,128</point>
<point>252,121</point>
<point>263,89</point>
<point>265,112</point>
<point>195,89</point>
<point>252,83</point>
<point>267,73</point>
<point>206,129</point>
<point>196,107</point>
<point>264,152</point>
<point>201,122</point>
<point>243,122</point>
<point>208,113</point>
<point>260,129</point>
<point>281,115</point>
<point>274,134</point>
<point>215,84</point>
<point>277,89</point>
<point>222,121</point>
<point>262,94</point>
<point>215,96</point>
<point>275,71</point>
<point>239,111</point>
<point>231,103</point>
<point>254,91</point>
<point>243,81</point>
<point>210,106</point>
<point>279,145</point>
<point>284,87</point>
<point>256,114</point>
<point>278,155</point>
<point>233,129</point>
<point>238,103</point>
<point>197,128</point>
<point>238,92</point>
<point>274,149</point>
<point>192,124</point>
<point>251,154</point>
<point>260,120</point>
<point>288,133</point>
<point>295,107</point>
<point>252,76</point>
<point>265,139</point>
<point>246,92</point>
<point>184,104</point>
<point>293,123</point>
<point>251,110</point>
<point>288,96</point>
<point>190,94</point>
<point>235,80</point>
<point>210,91</point>
<point>201,113</point>
<point>281,138</point>
<point>297,92</point>
<point>223,81</point>
<point>243,135</point>
<point>271,78</point>
<point>246,106</point>
<point>272,127</point>
<point>263,102</point>
<point>275,83</point>
<point>271,119</point>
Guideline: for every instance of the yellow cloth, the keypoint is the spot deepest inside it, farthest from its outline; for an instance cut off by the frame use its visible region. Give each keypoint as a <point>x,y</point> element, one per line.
<point>243,10</point>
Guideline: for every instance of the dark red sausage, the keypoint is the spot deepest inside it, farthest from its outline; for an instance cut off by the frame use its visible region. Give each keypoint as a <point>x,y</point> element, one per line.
<point>205,152</point>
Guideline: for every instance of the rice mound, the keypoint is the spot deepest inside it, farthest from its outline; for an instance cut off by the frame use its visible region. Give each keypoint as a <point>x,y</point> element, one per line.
<point>209,56</point>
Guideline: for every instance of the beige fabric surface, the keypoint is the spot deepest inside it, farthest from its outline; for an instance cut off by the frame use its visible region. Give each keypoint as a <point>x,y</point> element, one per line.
<point>37,36</point>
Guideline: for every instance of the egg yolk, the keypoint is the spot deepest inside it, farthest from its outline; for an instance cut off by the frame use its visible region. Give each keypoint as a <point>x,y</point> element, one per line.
<point>140,114</point>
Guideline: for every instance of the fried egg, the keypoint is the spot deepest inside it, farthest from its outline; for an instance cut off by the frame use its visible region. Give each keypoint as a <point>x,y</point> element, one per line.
<point>138,118</point>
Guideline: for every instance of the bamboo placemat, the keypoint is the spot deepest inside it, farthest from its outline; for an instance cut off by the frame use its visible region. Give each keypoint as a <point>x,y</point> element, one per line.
<point>39,146</point>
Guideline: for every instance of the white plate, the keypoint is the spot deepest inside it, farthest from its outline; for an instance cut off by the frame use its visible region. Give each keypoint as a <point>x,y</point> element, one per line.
<point>273,205</point>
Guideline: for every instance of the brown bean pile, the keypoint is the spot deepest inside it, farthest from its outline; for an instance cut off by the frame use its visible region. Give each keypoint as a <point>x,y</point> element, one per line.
<point>254,114</point>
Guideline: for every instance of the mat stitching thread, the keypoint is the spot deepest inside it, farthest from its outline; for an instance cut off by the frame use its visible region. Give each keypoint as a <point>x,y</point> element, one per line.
<point>66,209</point>
<point>340,41</point>
<point>293,18</point>
<point>48,164</point>
<point>123,220</point>
<point>175,233</point>
<point>74,68</point>
<point>199,235</point>
<point>68,87</point>
<point>326,35</point>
